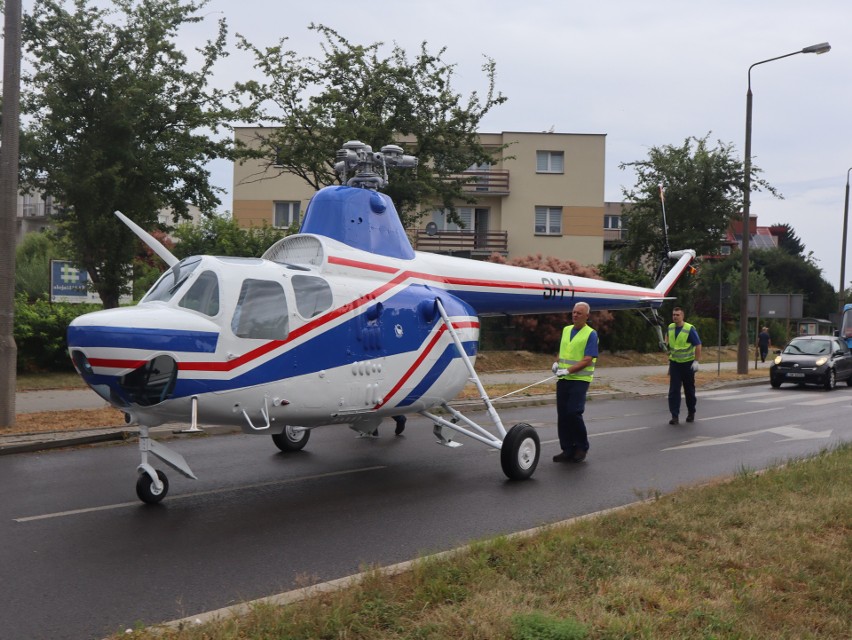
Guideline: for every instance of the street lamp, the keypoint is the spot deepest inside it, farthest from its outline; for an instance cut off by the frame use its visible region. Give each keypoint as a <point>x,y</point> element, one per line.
<point>743,345</point>
<point>843,245</point>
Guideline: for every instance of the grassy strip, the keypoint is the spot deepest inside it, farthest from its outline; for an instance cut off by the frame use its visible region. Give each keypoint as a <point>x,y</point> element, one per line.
<point>762,556</point>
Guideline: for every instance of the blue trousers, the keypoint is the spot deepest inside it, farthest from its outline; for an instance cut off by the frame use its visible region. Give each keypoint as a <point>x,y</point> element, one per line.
<point>681,375</point>
<point>570,405</point>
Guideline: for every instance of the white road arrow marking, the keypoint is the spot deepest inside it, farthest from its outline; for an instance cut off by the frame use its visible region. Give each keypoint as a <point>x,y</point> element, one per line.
<point>793,433</point>
<point>790,432</point>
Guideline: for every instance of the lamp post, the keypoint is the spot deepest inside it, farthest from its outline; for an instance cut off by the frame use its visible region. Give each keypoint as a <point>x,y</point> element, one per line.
<point>743,345</point>
<point>843,245</point>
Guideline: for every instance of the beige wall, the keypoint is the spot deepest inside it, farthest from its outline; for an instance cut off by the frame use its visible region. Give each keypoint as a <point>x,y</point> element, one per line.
<point>579,192</point>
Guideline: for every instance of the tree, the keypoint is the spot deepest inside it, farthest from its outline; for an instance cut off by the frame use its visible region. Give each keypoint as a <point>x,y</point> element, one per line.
<point>703,194</point>
<point>118,121</point>
<point>354,93</point>
<point>795,274</point>
<point>787,239</point>
<point>221,236</point>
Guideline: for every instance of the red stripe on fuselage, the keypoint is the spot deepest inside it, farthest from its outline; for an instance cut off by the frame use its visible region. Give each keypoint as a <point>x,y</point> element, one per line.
<point>421,357</point>
<point>397,279</point>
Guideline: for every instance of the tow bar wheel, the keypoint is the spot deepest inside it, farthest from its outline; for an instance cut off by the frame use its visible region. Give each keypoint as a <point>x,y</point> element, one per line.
<point>146,491</point>
<point>520,452</point>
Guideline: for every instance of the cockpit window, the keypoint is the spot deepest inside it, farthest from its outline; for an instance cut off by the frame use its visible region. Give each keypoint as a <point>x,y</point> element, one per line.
<point>261,311</point>
<point>313,295</point>
<point>203,295</point>
<point>172,279</point>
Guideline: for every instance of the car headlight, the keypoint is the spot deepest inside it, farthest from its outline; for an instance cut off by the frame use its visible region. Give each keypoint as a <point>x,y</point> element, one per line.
<point>777,359</point>
<point>821,361</point>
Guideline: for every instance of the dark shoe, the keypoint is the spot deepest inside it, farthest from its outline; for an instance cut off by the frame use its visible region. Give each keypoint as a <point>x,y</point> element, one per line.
<point>565,456</point>
<point>579,455</point>
<point>400,424</point>
<point>690,417</point>
<point>674,420</point>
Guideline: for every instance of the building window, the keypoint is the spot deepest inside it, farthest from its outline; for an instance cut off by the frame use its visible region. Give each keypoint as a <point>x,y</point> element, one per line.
<point>548,221</point>
<point>286,214</point>
<point>465,214</point>
<point>550,162</point>
<point>612,222</point>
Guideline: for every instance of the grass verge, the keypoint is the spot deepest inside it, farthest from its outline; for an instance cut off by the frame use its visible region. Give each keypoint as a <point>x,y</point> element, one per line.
<point>764,555</point>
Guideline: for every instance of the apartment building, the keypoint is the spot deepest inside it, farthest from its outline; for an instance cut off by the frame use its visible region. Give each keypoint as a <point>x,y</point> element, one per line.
<point>543,194</point>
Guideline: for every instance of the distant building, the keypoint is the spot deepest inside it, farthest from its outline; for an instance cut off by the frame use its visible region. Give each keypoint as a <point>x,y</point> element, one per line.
<point>759,237</point>
<point>35,214</point>
<point>547,198</point>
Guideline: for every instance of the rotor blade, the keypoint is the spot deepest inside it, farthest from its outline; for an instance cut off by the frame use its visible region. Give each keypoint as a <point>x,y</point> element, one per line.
<point>155,245</point>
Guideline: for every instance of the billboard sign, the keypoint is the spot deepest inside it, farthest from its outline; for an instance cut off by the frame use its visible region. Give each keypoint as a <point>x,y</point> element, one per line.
<point>775,305</point>
<point>70,284</point>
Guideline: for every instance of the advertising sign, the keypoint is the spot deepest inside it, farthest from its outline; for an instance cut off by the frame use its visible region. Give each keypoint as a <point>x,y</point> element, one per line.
<point>70,284</point>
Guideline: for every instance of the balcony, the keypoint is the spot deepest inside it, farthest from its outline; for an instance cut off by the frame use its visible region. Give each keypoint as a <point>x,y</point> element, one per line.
<point>34,209</point>
<point>472,243</point>
<point>485,183</point>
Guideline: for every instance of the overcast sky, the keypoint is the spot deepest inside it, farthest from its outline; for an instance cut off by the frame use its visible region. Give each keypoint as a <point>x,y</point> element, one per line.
<point>643,73</point>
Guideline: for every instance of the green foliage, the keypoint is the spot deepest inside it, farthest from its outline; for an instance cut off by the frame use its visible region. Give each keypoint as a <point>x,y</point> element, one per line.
<point>353,92</point>
<point>118,122</point>
<point>708,331</point>
<point>794,274</point>
<point>32,263</point>
<point>703,194</point>
<point>40,332</point>
<point>221,236</point>
<point>538,626</point>
<point>788,241</point>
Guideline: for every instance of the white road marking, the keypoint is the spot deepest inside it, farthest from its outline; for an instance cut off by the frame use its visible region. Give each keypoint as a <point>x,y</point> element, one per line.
<point>737,415</point>
<point>596,435</point>
<point>740,396</point>
<point>720,392</point>
<point>832,400</point>
<point>790,432</point>
<point>122,505</point>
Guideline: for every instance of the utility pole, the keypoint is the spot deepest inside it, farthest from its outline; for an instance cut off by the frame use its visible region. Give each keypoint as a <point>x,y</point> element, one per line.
<point>9,149</point>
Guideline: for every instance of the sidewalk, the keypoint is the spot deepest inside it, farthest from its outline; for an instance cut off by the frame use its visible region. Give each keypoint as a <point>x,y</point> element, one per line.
<point>613,382</point>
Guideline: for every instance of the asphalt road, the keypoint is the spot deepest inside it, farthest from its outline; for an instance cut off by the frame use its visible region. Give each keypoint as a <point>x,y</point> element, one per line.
<point>81,557</point>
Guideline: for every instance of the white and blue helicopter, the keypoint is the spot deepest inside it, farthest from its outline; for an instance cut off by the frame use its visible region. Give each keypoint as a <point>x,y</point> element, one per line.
<point>342,323</point>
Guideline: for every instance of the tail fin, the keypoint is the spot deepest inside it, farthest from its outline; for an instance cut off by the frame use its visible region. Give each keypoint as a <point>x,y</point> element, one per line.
<point>684,257</point>
<point>155,245</point>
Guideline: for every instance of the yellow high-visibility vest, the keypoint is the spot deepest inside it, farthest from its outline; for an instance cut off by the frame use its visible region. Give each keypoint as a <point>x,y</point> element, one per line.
<point>573,350</point>
<point>680,350</point>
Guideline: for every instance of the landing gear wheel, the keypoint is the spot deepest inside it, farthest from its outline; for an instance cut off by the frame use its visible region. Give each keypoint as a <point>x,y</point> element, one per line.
<point>146,491</point>
<point>520,452</point>
<point>830,380</point>
<point>290,439</point>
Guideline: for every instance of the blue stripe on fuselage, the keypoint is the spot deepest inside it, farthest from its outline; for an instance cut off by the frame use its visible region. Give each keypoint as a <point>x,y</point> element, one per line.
<point>449,354</point>
<point>493,302</point>
<point>146,339</point>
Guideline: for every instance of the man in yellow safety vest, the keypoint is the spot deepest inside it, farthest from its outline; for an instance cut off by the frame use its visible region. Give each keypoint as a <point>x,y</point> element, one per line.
<point>578,353</point>
<point>684,354</point>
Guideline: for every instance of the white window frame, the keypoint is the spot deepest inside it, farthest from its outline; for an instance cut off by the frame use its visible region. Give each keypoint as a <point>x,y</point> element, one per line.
<point>609,219</point>
<point>552,220</point>
<point>545,162</point>
<point>439,217</point>
<point>290,209</point>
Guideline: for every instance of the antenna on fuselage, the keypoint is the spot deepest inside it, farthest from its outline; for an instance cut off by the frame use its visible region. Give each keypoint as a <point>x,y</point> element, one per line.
<point>360,158</point>
<point>155,245</point>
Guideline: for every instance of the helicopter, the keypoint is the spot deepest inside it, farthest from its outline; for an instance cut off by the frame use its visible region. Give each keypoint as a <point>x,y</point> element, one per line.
<point>342,323</point>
